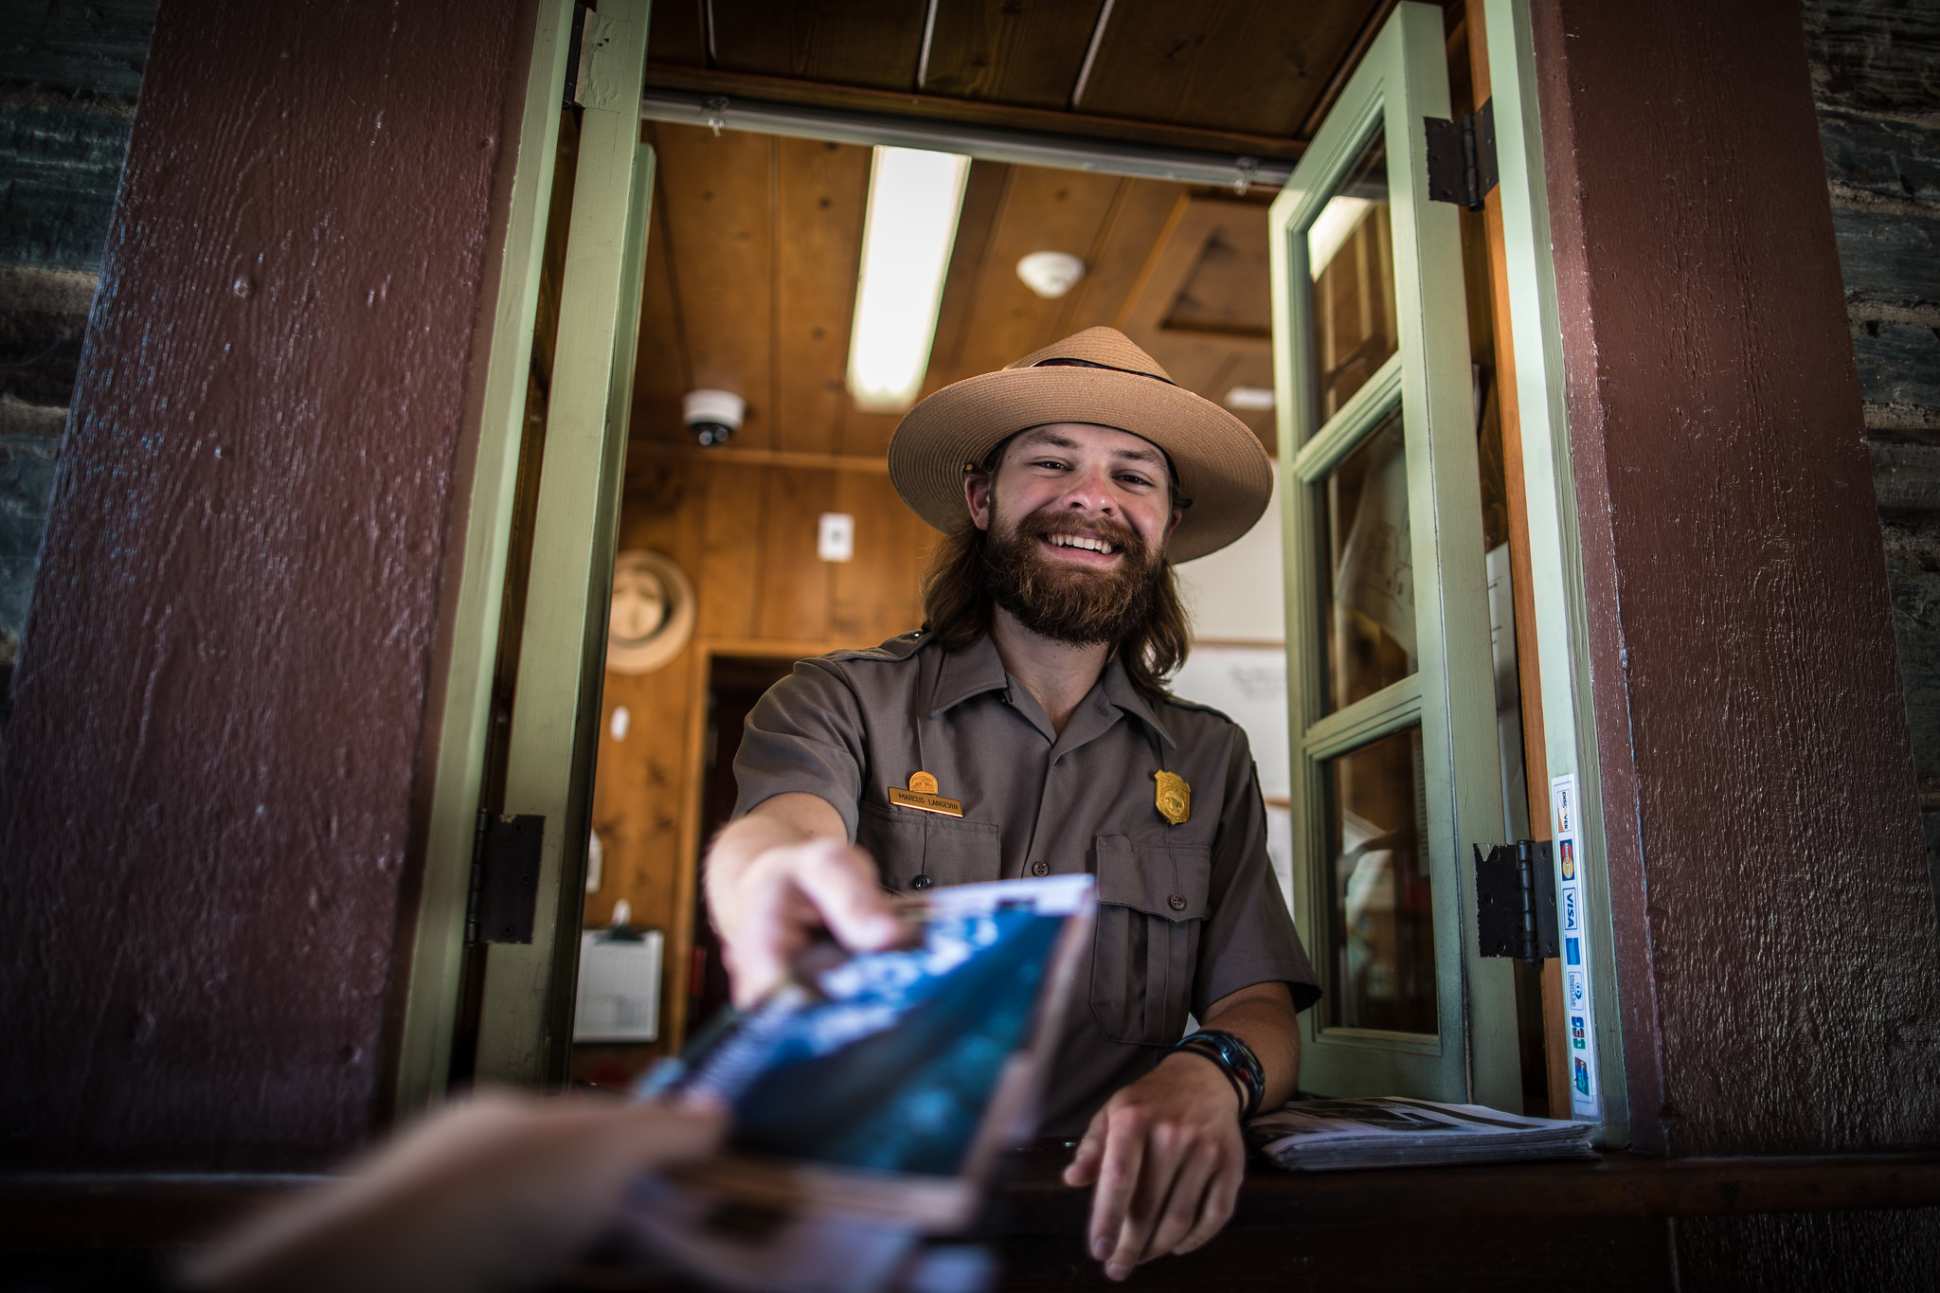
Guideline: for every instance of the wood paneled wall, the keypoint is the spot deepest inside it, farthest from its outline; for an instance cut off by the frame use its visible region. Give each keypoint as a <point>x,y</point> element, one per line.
<point>745,535</point>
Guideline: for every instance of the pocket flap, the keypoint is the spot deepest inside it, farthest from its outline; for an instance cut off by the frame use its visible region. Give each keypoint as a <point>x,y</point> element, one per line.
<point>1165,880</point>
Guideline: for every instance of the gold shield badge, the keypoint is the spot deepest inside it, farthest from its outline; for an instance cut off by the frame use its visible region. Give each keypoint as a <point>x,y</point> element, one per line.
<point>1173,797</point>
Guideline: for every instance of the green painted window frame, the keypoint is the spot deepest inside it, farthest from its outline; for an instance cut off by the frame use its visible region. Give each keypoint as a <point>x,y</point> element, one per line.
<point>1402,80</point>
<point>526,1009</point>
<point>1556,557</point>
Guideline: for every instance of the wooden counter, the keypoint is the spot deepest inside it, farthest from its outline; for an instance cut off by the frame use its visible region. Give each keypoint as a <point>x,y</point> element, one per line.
<point>1603,1223</point>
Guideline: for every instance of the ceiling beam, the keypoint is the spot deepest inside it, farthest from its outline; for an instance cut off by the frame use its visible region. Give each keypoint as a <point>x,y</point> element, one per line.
<point>999,132</point>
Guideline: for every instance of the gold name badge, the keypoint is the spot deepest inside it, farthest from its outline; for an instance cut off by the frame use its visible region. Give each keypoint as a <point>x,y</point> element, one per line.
<point>922,796</point>
<point>1173,797</point>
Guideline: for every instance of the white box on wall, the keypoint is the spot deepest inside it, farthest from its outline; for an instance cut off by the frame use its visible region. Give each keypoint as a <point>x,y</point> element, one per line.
<point>619,988</point>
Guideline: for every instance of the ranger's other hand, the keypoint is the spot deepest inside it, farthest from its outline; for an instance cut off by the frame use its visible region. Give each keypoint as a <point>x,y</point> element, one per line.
<point>1166,1156</point>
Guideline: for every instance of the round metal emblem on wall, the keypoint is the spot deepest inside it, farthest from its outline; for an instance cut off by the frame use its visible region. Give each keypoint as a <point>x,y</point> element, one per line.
<point>652,616</point>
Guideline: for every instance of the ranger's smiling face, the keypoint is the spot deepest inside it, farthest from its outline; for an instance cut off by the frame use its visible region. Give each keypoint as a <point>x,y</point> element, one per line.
<point>1076,489</point>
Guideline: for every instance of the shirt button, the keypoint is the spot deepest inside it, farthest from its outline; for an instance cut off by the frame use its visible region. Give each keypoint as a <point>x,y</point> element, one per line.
<point>1040,868</point>
<point>1176,903</point>
<point>924,882</point>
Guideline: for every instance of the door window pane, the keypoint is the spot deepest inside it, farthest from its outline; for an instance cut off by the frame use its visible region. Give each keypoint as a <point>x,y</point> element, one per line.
<point>1367,585</point>
<point>1380,920</point>
<point>1350,260</point>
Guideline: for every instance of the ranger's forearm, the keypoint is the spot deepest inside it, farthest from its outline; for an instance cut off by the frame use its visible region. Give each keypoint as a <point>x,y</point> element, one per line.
<point>1262,1016</point>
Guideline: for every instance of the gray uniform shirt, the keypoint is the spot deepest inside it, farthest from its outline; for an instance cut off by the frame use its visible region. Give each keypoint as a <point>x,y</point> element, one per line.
<point>1187,913</point>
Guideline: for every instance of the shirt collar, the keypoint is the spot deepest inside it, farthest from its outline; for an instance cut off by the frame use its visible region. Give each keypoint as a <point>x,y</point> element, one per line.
<point>978,669</point>
<point>970,672</point>
<point>1120,692</point>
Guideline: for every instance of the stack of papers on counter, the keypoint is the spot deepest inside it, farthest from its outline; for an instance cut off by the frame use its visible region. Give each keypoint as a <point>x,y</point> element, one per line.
<point>1393,1131</point>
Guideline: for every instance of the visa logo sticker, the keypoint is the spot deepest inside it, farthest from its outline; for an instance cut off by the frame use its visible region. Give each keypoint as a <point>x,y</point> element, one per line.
<point>1573,950</point>
<point>1582,1077</point>
<point>1578,992</point>
<point>1570,917</point>
<point>1578,1038</point>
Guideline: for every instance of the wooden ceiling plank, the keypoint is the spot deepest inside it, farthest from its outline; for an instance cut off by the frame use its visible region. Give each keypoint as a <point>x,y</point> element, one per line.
<point>871,43</point>
<point>1043,210</point>
<point>867,434</point>
<point>1377,18</point>
<point>1226,292</point>
<point>822,191</point>
<point>1138,217</point>
<point>983,198</point>
<point>1182,63</point>
<point>1203,359</point>
<point>719,201</point>
<point>1024,52</point>
<point>677,34</point>
<point>662,371</point>
<point>1080,125</point>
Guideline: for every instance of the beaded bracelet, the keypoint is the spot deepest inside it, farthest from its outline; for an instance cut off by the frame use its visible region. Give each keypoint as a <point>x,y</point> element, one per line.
<point>1235,1059</point>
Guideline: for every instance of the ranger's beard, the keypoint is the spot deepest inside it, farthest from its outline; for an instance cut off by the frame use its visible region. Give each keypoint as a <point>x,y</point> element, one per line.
<point>1069,603</point>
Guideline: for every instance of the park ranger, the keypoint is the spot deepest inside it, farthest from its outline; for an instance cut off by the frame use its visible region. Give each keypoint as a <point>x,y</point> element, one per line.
<point>1024,730</point>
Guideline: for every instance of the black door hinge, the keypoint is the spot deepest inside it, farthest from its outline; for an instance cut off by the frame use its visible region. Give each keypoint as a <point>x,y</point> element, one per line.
<point>1515,900</point>
<point>573,43</point>
<point>504,898</point>
<point>1461,157</point>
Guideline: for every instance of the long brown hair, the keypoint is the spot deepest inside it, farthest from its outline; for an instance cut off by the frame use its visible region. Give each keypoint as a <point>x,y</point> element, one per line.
<point>958,607</point>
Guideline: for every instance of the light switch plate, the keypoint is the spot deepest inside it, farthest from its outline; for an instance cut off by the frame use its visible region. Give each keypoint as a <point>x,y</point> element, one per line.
<point>835,538</point>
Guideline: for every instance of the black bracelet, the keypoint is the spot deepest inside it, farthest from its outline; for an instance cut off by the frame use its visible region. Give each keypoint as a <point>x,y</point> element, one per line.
<point>1235,1059</point>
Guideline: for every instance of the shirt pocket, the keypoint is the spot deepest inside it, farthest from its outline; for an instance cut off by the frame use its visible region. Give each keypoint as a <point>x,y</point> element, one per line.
<point>1145,946</point>
<point>907,843</point>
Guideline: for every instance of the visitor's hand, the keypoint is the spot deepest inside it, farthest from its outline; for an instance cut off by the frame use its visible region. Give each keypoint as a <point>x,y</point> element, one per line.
<point>496,1191</point>
<point>1167,1158</point>
<point>786,895</point>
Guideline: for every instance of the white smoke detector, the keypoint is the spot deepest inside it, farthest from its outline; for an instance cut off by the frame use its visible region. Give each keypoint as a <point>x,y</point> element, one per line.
<point>1050,273</point>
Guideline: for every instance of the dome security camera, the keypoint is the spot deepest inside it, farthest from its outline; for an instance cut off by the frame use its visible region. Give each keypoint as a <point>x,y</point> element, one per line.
<point>713,416</point>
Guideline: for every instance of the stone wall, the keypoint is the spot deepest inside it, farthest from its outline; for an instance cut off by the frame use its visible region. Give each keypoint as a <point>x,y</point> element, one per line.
<point>69,76</point>
<point>1876,81</point>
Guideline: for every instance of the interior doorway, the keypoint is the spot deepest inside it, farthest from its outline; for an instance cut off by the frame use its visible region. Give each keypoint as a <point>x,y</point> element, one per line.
<point>734,684</point>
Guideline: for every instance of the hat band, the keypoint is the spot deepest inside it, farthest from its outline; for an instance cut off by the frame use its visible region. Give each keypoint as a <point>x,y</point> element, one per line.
<point>1110,368</point>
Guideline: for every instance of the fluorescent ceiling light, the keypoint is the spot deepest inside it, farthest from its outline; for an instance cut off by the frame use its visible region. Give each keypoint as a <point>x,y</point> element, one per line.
<point>1333,226</point>
<point>1250,399</point>
<point>914,200</point>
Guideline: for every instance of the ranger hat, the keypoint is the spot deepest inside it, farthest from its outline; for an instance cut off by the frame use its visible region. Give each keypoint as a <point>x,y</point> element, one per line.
<point>1097,376</point>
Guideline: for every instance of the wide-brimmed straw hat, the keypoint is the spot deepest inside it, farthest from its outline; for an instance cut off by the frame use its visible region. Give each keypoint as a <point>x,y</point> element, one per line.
<point>1099,377</point>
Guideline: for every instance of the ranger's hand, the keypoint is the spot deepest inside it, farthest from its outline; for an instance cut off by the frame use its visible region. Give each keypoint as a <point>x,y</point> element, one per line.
<point>785,896</point>
<point>1167,1158</point>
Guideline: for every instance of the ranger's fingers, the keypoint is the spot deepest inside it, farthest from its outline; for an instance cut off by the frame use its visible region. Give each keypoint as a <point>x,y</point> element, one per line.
<point>1118,1178</point>
<point>1216,1207</point>
<point>1082,1170</point>
<point>839,881</point>
<point>767,937</point>
<point>1183,1207</point>
<point>1164,1155</point>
